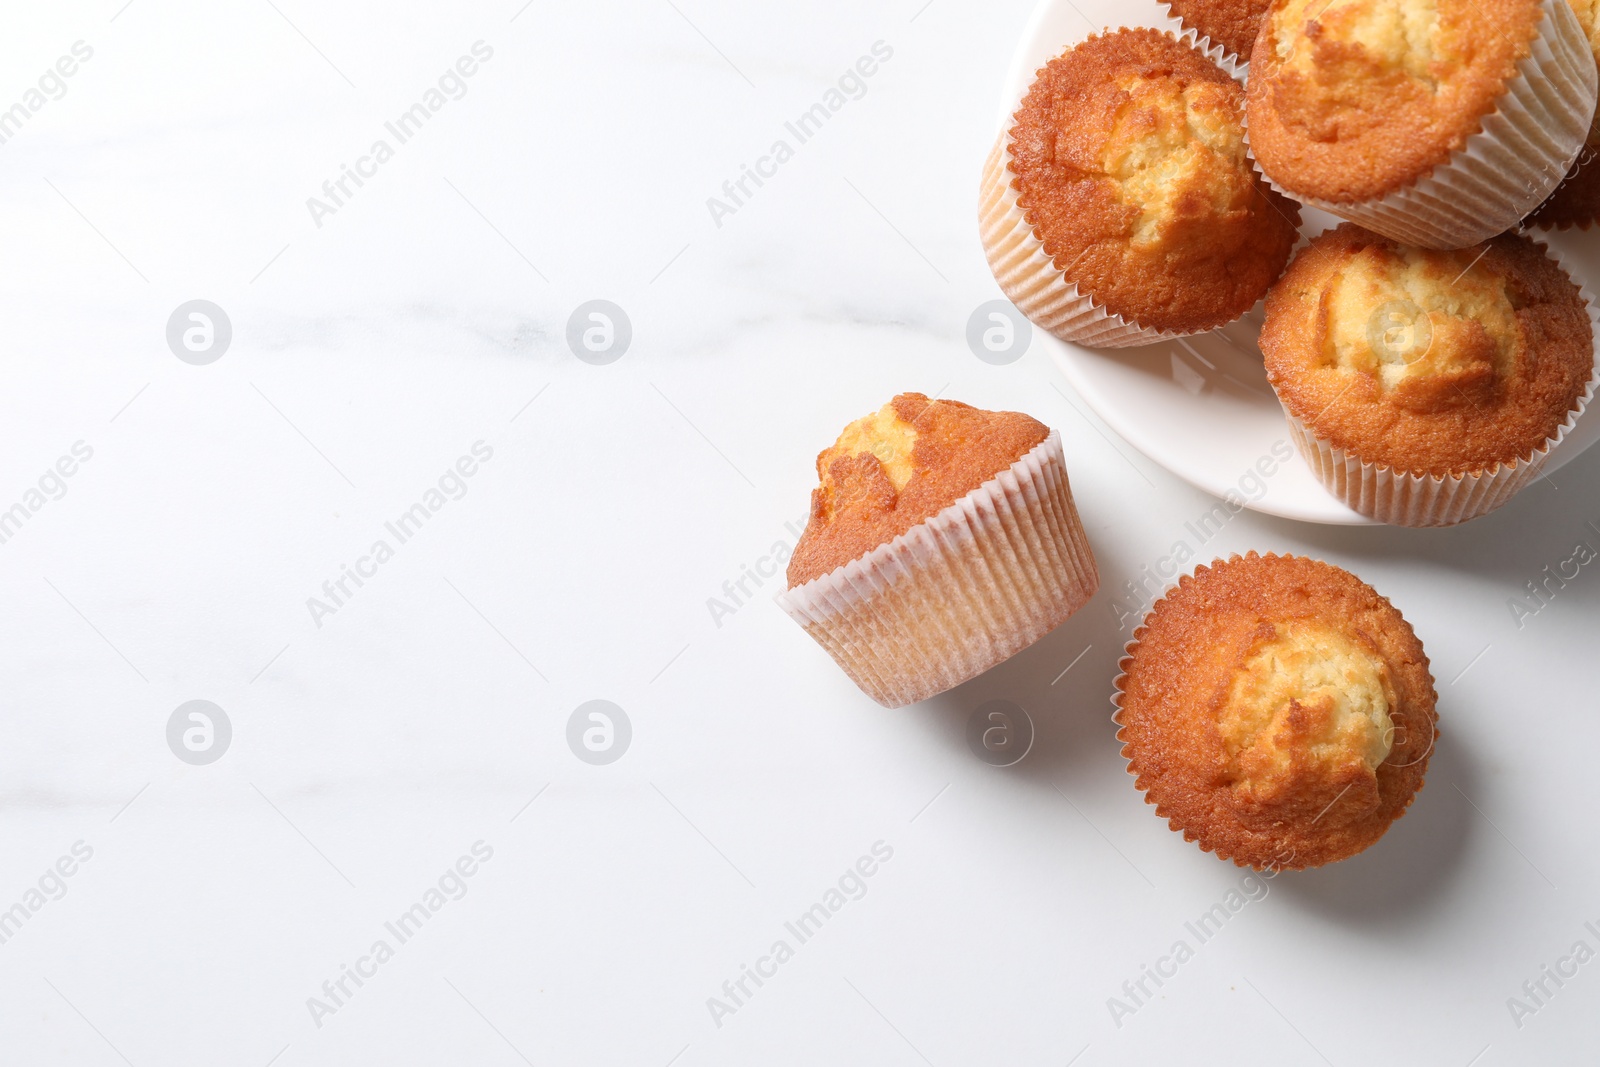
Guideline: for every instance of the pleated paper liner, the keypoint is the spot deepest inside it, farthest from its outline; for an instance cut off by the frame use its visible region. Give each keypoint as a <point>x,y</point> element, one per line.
<point>1403,498</point>
<point>1504,171</point>
<point>1030,278</point>
<point>1129,649</point>
<point>1212,49</point>
<point>959,592</point>
<point>1118,691</point>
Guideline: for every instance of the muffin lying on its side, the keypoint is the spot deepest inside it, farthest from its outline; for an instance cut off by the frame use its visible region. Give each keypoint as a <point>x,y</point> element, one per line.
<point>1121,207</point>
<point>943,539</point>
<point>1277,711</point>
<point>1424,387</point>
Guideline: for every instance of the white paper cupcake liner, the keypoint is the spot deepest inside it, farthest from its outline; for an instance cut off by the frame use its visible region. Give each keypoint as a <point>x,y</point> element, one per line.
<point>1215,51</point>
<point>1402,498</point>
<point>1119,690</point>
<point>1522,152</point>
<point>1030,278</point>
<point>959,592</point>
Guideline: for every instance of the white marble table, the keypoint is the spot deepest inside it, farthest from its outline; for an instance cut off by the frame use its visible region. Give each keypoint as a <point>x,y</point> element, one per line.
<point>376,741</point>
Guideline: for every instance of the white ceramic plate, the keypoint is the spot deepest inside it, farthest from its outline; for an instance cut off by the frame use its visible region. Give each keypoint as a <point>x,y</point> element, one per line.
<point>1201,406</point>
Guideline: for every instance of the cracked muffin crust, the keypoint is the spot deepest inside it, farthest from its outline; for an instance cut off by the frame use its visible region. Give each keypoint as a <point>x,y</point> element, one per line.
<point>1423,361</point>
<point>1277,711</point>
<point>1351,101</point>
<point>1129,162</point>
<point>892,469</point>
<point>943,540</point>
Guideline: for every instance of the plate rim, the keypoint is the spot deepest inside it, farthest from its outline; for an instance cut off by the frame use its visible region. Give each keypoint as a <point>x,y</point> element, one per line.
<point>1068,358</point>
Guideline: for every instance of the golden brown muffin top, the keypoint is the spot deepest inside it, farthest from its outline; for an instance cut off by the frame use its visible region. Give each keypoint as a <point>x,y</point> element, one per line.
<point>1130,166</point>
<point>1576,201</point>
<point>1231,23</point>
<point>1277,711</point>
<point>904,463</point>
<point>1427,361</point>
<point>1353,99</point>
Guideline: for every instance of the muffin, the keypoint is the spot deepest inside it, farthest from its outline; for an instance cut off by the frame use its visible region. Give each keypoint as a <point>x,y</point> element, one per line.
<point>1427,387</point>
<point>1276,711</point>
<point>1232,24</point>
<point>942,540</point>
<point>1121,207</point>
<point>1439,123</point>
<point>1576,201</point>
